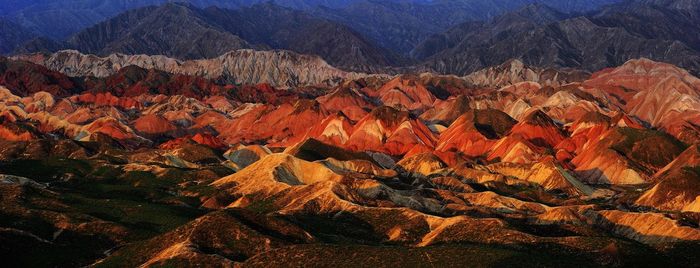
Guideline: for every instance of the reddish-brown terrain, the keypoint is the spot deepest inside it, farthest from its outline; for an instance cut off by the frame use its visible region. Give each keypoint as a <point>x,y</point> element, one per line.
<point>142,167</point>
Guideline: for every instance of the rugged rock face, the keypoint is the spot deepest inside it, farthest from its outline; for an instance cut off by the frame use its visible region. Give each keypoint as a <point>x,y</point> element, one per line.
<point>401,25</point>
<point>547,174</point>
<point>397,26</point>
<point>548,38</point>
<point>153,125</point>
<point>244,156</point>
<point>174,30</point>
<point>515,71</point>
<point>60,19</point>
<point>278,68</point>
<point>216,231</point>
<point>539,129</point>
<point>352,103</point>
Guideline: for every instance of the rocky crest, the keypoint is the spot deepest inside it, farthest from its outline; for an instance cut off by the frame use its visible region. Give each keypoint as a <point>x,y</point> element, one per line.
<point>278,68</point>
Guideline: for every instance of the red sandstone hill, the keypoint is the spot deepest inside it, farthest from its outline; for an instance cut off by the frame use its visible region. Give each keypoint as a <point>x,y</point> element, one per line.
<point>391,131</point>
<point>24,78</point>
<point>475,132</point>
<point>520,167</point>
<point>661,94</point>
<point>678,186</point>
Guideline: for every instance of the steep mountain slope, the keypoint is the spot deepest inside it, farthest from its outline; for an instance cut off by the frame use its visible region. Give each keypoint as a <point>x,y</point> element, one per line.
<point>39,45</point>
<point>277,27</point>
<point>666,20</point>
<point>60,19</point>
<point>12,35</point>
<point>475,132</point>
<point>678,186</point>
<point>401,25</point>
<point>589,43</point>
<point>27,78</point>
<point>171,30</point>
<point>390,131</point>
<point>525,18</point>
<point>396,32</point>
<point>688,5</point>
<point>187,32</point>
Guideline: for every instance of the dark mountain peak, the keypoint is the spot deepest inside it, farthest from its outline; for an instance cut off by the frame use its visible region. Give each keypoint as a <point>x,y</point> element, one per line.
<point>686,5</point>
<point>177,5</point>
<point>133,73</point>
<point>389,115</point>
<point>492,123</point>
<point>580,21</point>
<point>174,29</point>
<point>540,12</point>
<point>536,13</point>
<point>269,5</point>
<point>594,117</point>
<point>538,118</point>
<point>183,9</point>
<point>511,64</point>
<point>660,20</point>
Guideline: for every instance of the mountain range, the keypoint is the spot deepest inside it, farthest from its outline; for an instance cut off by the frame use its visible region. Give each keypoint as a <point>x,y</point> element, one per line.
<point>318,133</point>
<point>187,32</point>
<point>546,37</point>
<point>400,36</point>
<point>62,18</point>
<point>402,25</point>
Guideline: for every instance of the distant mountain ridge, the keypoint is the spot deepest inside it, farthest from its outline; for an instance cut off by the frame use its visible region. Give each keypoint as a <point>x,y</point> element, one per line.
<point>171,30</point>
<point>539,36</point>
<point>59,19</point>
<point>401,25</point>
<point>187,32</point>
<point>398,25</point>
<point>407,36</point>
<point>12,35</point>
<point>278,68</point>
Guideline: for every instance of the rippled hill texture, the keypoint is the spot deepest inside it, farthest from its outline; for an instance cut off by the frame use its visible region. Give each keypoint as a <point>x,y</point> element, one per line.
<point>168,163</point>
<point>353,133</point>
